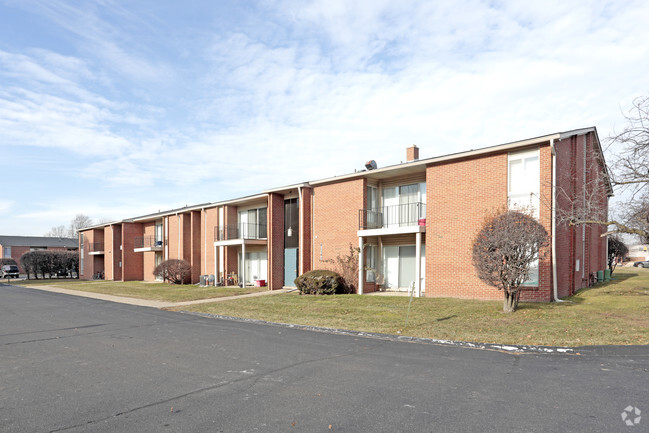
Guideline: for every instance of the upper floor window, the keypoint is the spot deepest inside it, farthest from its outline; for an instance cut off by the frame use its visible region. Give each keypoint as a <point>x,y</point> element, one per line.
<point>524,184</point>
<point>524,180</point>
<point>404,205</point>
<point>252,223</point>
<point>6,253</point>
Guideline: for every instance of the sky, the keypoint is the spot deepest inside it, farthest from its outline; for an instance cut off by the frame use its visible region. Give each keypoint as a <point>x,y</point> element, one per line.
<point>115,109</point>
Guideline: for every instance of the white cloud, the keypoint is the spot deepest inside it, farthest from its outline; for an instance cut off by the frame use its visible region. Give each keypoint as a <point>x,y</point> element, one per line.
<point>305,90</point>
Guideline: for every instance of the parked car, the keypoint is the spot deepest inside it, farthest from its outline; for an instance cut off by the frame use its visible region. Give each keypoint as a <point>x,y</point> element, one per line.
<point>641,264</point>
<point>9,271</point>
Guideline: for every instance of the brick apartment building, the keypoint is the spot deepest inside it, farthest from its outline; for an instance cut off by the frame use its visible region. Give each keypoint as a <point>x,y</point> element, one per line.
<point>413,222</point>
<point>14,247</point>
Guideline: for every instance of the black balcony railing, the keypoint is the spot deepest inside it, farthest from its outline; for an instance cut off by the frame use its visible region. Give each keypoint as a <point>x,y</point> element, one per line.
<point>148,242</point>
<point>240,231</point>
<point>95,247</point>
<point>402,215</point>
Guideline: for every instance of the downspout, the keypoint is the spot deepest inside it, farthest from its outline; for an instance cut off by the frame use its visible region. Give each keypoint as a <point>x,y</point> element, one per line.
<point>554,223</point>
<point>204,248</point>
<point>300,214</point>
<point>178,215</point>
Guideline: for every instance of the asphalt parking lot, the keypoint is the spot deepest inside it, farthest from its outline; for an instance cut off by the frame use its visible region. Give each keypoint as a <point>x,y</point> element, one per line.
<point>74,364</point>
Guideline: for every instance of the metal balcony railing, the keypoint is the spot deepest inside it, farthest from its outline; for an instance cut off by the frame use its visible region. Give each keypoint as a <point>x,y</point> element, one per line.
<point>402,215</point>
<point>148,242</point>
<point>240,231</point>
<point>95,247</point>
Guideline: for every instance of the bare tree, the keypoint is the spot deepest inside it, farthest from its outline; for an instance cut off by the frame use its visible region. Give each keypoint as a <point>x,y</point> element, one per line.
<point>80,221</point>
<point>173,271</point>
<point>616,251</point>
<point>628,172</point>
<point>57,232</point>
<point>505,248</point>
<point>631,166</point>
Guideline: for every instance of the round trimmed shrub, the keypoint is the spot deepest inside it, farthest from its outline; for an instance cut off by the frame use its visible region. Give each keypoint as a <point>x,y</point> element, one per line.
<point>320,282</point>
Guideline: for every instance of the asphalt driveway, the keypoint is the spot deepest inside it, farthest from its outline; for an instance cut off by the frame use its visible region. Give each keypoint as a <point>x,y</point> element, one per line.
<point>77,364</point>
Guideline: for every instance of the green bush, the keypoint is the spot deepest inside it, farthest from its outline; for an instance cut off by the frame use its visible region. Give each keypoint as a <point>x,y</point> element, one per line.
<point>320,282</point>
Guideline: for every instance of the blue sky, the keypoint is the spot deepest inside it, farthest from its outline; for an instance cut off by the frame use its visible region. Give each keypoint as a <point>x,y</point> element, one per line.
<point>115,109</point>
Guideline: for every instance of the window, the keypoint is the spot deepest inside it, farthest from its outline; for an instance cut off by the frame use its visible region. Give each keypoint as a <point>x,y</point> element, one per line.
<point>399,266</point>
<point>524,180</point>
<point>523,189</point>
<point>252,223</point>
<point>6,253</point>
<point>404,205</point>
<point>370,263</point>
<point>372,209</point>
<point>256,264</point>
<point>158,235</point>
<point>81,253</point>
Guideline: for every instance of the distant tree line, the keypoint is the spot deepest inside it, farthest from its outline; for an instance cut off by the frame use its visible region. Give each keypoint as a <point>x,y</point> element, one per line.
<point>53,263</point>
<point>77,223</point>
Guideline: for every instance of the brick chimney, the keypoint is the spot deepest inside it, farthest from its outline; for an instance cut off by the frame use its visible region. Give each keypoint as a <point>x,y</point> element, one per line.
<point>412,153</point>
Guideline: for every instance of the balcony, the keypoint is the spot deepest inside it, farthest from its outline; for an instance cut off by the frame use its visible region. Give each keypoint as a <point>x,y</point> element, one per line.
<point>148,243</point>
<point>96,248</point>
<point>231,234</point>
<point>396,219</point>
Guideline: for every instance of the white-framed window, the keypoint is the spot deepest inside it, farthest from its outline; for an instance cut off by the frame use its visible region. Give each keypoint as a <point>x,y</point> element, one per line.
<point>524,180</point>
<point>533,274</point>
<point>370,263</point>
<point>6,252</point>
<point>81,254</point>
<point>252,223</point>
<point>159,238</point>
<point>523,191</point>
<point>404,205</point>
<point>373,214</point>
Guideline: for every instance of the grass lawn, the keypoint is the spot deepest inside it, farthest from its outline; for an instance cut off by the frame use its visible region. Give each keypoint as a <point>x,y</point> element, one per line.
<point>616,312</point>
<point>145,290</point>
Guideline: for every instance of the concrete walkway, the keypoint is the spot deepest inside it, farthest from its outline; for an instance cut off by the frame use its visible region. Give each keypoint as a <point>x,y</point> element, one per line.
<point>148,302</point>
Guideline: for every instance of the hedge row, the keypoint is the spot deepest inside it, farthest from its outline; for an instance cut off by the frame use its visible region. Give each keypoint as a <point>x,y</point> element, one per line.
<point>52,263</point>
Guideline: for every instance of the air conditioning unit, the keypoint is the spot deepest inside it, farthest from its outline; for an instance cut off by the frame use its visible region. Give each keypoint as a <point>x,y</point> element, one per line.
<point>371,165</point>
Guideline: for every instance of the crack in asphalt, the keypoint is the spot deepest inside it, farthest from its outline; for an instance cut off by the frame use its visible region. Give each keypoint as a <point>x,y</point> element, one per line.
<point>92,333</point>
<point>254,378</point>
<point>54,330</point>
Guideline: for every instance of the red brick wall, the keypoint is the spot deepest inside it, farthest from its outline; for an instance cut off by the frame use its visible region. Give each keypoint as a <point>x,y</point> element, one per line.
<point>211,217</point>
<point>186,236</point>
<point>16,253</point>
<point>305,223</point>
<point>459,195</point>
<point>112,252</point>
<point>132,262</point>
<point>544,291</point>
<point>174,240</point>
<point>335,220</point>
<point>148,257</point>
<point>196,236</point>
<point>570,189</point>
